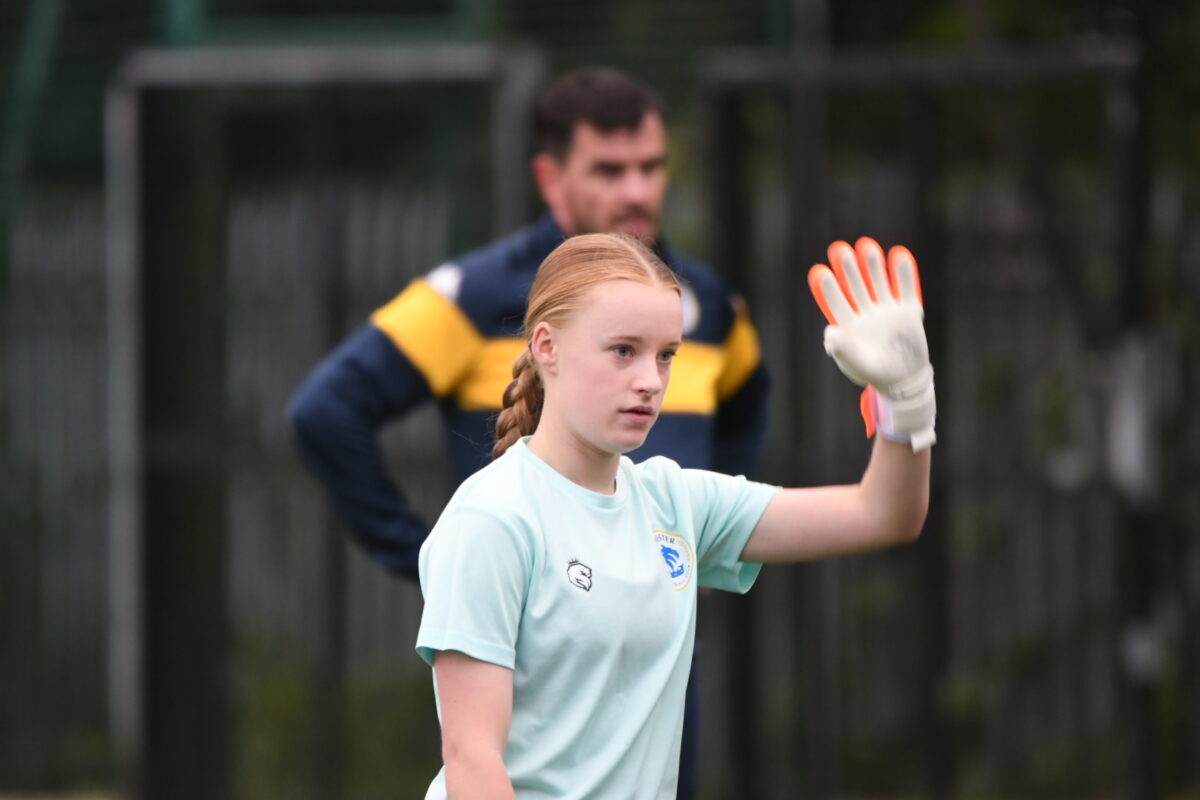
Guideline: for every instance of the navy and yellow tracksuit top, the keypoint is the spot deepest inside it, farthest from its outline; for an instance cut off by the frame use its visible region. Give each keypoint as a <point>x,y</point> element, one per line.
<point>453,335</point>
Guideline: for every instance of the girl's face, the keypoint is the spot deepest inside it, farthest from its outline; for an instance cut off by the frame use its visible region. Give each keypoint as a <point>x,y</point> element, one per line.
<point>609,364</point>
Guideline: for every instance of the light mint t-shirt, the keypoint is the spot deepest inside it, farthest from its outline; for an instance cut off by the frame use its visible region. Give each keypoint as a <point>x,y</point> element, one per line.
<point>591,600</point>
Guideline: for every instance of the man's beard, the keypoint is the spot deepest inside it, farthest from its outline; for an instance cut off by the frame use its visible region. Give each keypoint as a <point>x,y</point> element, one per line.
<point>649,237</point>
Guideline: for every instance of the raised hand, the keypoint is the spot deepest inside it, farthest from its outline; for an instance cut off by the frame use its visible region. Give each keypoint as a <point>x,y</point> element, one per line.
<point>876,336</point>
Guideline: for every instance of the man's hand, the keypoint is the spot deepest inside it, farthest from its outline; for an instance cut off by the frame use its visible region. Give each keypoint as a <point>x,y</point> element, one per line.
<point>876,335</point>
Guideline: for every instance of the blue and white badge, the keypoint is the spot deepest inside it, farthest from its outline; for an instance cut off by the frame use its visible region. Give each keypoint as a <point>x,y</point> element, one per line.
<point>677,556</point>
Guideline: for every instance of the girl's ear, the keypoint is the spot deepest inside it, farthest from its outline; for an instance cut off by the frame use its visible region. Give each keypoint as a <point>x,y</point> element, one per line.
<point>542,347</point>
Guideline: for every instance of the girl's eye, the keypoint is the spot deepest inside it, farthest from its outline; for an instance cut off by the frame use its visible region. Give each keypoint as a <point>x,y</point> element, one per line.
<point>666,356</point>
<point>623,350</point>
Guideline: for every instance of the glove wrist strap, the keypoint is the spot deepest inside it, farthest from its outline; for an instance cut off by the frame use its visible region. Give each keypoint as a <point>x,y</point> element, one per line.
<point>907,411</point>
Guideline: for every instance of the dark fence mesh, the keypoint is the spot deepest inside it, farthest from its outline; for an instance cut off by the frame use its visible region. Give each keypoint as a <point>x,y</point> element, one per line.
<point>1003,632</point>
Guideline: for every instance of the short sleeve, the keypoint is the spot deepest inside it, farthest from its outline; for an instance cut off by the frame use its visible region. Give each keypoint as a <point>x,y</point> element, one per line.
<point>726,510</point>
<point>474,578</point>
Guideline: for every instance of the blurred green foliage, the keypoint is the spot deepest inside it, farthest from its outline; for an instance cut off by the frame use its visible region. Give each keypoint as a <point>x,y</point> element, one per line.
<point>389,725</point>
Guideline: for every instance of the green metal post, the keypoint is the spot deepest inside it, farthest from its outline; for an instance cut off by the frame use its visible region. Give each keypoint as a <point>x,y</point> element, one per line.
<point>28,86</point>
<point>184,21</point>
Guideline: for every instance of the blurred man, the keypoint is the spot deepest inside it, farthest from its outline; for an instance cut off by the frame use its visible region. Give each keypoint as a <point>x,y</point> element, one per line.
<point>452,336</point>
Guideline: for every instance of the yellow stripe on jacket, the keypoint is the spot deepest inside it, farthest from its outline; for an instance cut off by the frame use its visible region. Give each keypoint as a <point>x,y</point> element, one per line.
<point>741,351</point>
<point>695,373</point>
<point>482,389</point>
<point>440,341</point>
<point>433,333</point>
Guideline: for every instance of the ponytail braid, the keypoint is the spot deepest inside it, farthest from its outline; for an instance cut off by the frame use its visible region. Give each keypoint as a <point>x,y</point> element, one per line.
<point>568,272</point>
<point>522,405</point>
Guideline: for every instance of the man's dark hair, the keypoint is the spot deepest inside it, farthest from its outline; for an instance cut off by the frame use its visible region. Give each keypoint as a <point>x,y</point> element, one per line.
<point>605,98</point>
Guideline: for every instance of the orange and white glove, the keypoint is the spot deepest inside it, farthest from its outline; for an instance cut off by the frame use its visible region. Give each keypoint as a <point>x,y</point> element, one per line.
<point>876,336</point>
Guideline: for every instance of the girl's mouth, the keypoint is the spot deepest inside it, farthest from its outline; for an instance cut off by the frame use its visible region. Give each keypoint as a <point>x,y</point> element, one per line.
<point>641,415</point>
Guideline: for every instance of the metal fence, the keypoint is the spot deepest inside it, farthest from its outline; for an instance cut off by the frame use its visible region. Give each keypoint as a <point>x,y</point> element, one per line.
<point>53,494</point>
<point>1034,632</point>
<point>999,644</point>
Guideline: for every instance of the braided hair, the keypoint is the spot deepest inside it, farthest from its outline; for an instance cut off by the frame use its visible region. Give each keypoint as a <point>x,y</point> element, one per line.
<point>568,272</point>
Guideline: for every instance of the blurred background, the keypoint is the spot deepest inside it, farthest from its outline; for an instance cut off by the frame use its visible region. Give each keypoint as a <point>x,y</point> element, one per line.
<point>198,198</point>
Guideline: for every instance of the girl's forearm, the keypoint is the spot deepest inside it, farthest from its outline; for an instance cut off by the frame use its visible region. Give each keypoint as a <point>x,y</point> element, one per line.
<point>478,777</point>
<point>896,488</point>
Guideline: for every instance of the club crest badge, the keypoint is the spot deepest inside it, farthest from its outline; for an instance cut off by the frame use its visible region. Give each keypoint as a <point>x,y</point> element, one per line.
<point>678,558</point>
<point>579,574</point>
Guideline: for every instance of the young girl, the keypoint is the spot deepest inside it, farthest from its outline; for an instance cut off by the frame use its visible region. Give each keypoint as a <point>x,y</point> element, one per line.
<point>560,582</point>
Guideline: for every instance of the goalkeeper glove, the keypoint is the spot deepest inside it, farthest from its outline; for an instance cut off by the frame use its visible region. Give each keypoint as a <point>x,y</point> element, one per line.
<point>876,336</point>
